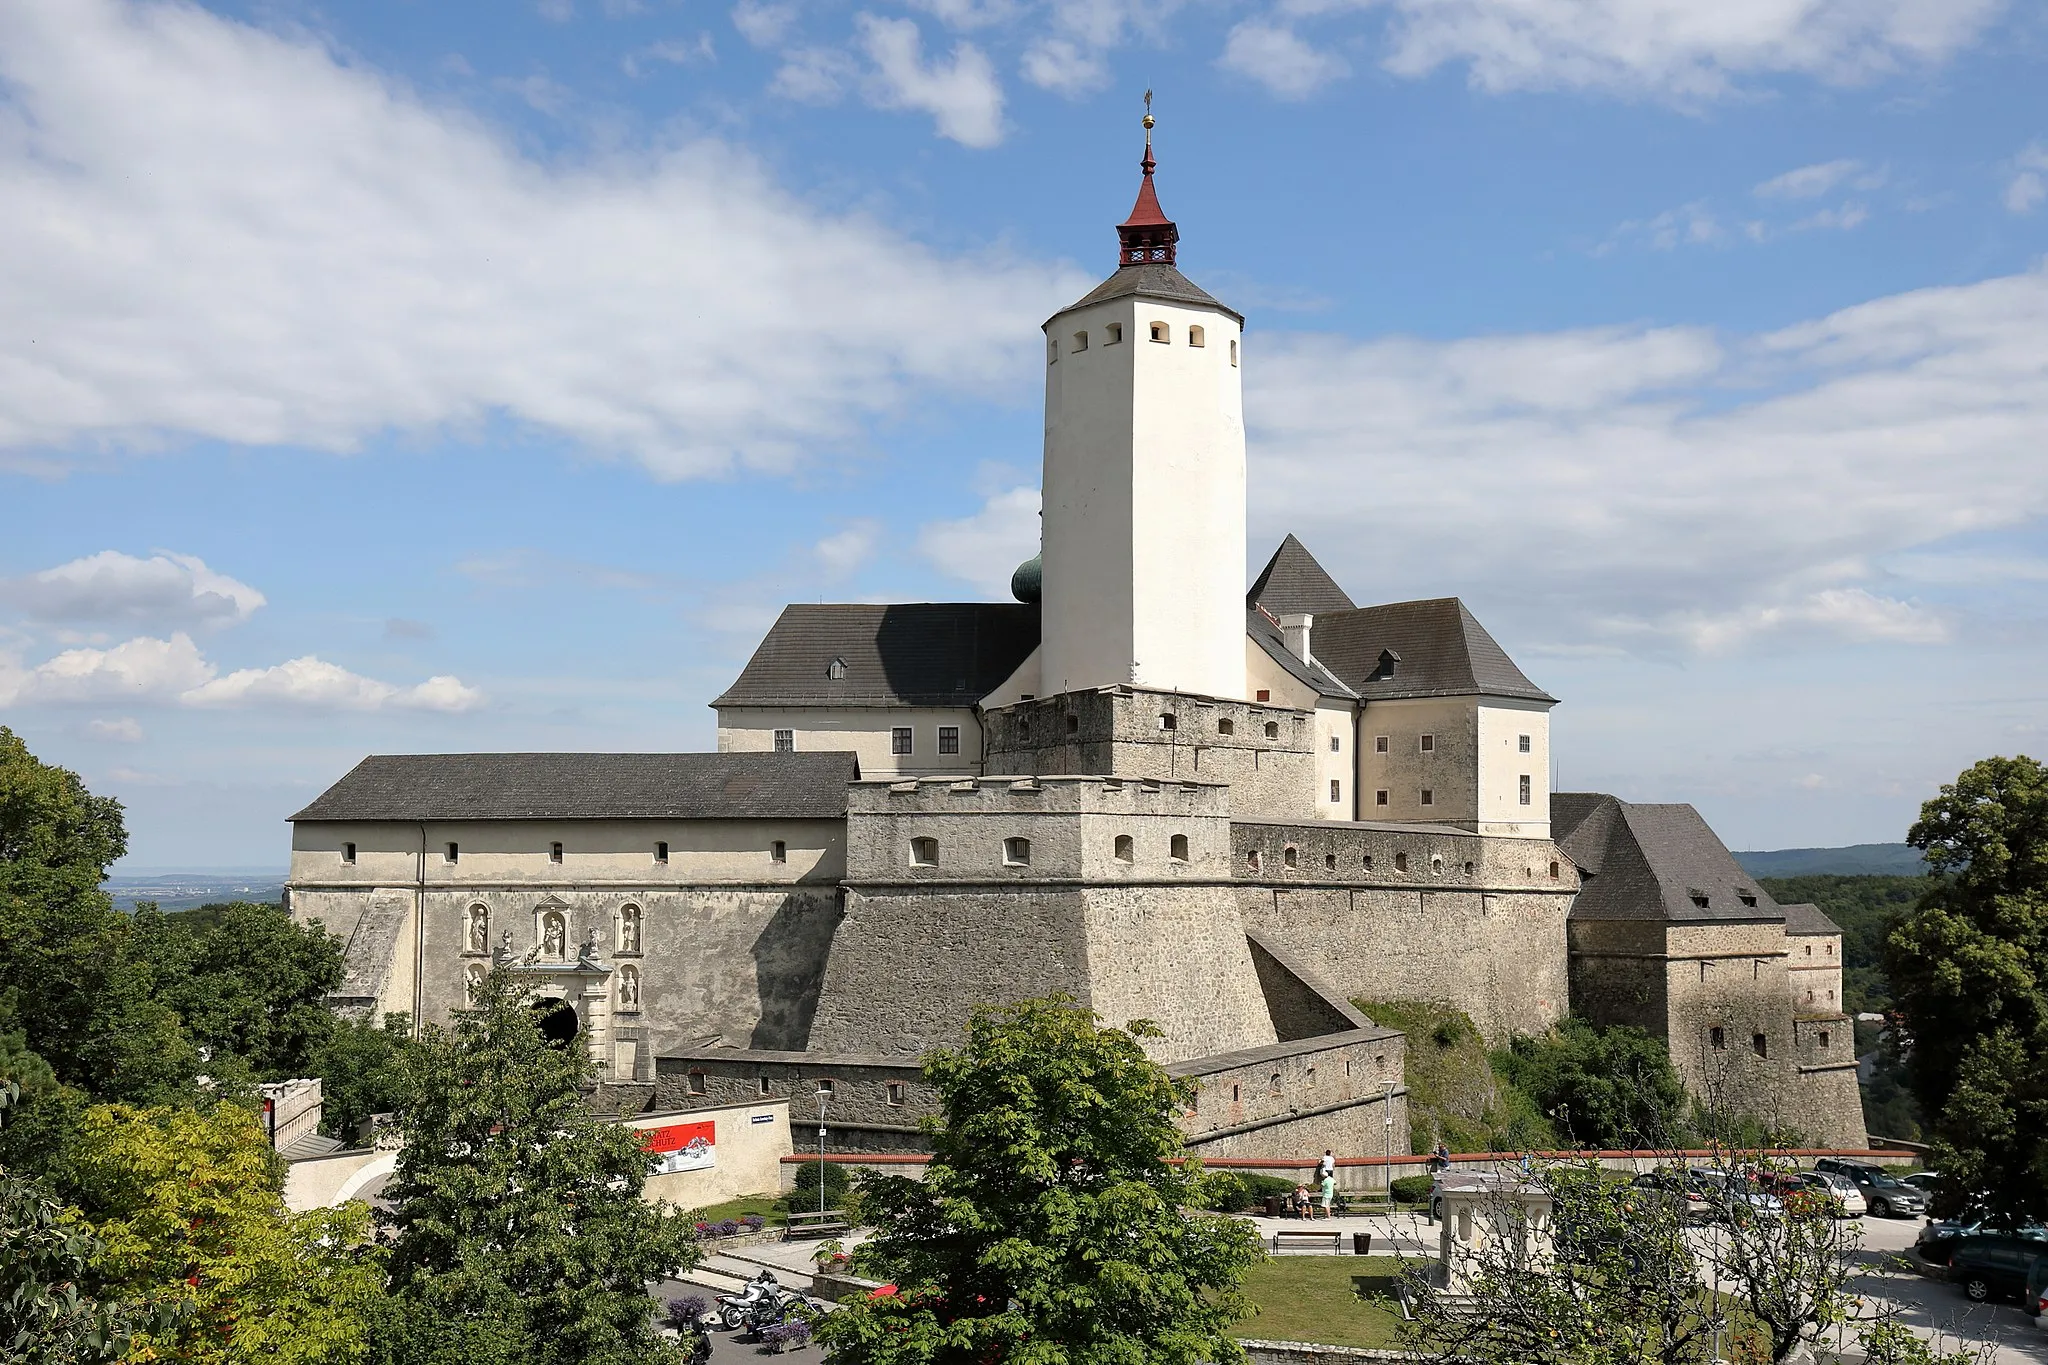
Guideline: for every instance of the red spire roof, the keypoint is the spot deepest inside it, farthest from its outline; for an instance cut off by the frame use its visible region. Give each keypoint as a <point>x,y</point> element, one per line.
<point>1148,235</point>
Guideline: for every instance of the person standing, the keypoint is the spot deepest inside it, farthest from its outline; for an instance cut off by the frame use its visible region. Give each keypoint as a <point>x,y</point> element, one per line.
<point>1326,1169</point>
<point>1329,1192</point>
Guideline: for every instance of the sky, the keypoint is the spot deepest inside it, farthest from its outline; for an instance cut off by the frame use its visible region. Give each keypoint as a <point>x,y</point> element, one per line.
<point>437,375</point>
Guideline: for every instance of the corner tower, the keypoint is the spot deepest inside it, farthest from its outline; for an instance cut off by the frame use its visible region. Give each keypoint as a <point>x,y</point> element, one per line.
<point>1144,539</point>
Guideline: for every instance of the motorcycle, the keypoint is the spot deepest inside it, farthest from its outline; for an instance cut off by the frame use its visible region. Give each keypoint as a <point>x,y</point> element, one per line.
<point>735,1309</point>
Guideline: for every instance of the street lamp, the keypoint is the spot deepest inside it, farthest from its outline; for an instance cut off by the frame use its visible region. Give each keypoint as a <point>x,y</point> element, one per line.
<point>1387,1120</point>
<point>823,1095</point>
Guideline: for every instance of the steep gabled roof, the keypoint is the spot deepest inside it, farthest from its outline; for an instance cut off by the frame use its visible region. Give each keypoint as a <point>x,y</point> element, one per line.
<point>1438,650</point>
<point>810,786</point>
<point>1292,581</point>
<point>910,654</point>
<point>1652,862</point>
<point>1806,918</point>
<point>1268,637</point>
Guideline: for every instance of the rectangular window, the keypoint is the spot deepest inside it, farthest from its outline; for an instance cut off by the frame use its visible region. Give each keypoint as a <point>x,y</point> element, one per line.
<point>898,1092</point>
<point>1522,744</point>
<point>1336,790</point>
<point>1717,1038</point>
<point>1379,744</point>
<point>1759,1044</point>
<point>899,740</point>
<point>827,1086</point>
<point>698,1083</point>
<point>1113,334</point>
<point>454,851</point>
<point>554,853</point>
<point>1429,744</point>
<point>778,852</point>
<point>1379,798</point>
<point>1823,1039</point>
<point>1524,789</point>
<point>764,1085</point>
<point>1428,797</point>
<point>348,856</point>
<point>661,851</point>
<point>1265,694</point>
<point>1336,745</point>
<point>949,739</point>
<point>785,741</point>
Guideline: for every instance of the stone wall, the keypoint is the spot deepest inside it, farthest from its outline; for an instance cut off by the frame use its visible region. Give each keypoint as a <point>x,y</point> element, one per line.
<point>1300,1097</point>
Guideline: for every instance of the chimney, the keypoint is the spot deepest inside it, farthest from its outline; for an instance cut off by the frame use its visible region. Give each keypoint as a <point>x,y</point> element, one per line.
<point>1294,628</point>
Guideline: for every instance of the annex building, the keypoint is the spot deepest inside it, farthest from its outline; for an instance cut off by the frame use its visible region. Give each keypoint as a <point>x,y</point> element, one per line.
<point>1229,812</point>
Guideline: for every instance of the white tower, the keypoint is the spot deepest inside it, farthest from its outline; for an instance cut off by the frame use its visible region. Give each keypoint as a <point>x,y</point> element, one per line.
<point>1143,541</point>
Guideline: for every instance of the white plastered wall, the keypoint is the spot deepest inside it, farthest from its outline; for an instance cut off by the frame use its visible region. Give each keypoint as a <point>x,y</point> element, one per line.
<point>1144,502</point>
<point>1447,771</point>
<point>860,730</point>
<point>1336,735</point>
<point>1502,765</point>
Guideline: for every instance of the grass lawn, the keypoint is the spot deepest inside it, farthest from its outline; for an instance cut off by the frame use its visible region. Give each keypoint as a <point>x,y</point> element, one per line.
<point>763,1204</point>
<point>1318,1298</point>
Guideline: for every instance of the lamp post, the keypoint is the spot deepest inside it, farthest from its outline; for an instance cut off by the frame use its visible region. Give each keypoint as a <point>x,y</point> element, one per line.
<point>823,1095</point>
<point>1387,1121</point>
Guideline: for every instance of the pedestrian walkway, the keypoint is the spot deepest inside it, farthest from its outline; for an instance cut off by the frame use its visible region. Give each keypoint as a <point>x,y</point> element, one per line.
<point>1393,1234</point>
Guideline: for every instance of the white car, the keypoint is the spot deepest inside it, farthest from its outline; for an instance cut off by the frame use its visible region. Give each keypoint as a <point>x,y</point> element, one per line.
<point>1842,1188</point>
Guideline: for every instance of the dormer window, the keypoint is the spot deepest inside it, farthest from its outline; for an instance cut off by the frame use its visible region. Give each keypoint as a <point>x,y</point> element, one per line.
<point>1699,899</point>
<point>1747,898</point>
<point>836,670</point>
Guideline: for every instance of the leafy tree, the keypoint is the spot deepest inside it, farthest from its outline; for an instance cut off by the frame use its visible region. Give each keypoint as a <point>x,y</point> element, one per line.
<point>1968,972</point>
<point>190,1208</point>
<point>45,1316</point>
<point>1051,1225</point>
<point>1605,1087</point>
<point>520,1233</point>
<point>360,1072</point>
<point>248,983</point>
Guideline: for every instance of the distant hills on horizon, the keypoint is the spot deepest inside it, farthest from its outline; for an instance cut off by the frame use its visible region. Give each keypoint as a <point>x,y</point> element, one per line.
<point>1856,860</point>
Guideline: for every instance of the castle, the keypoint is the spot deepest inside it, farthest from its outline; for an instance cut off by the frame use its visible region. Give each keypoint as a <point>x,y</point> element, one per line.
<point>1228,813</point>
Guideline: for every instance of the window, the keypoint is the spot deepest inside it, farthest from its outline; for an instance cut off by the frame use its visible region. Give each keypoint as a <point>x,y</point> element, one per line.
<point>1291,856</point>
<point>1700,899</point>
<point>661,850</point>
<point>1080,341</point>
<point>1073,724</point>
<point>1553,869</point>
<point>1052,351</point>
<point>1329,862</point>
<point>1468,869</point>
<point>1226,726</point>
<point>1759,1044</point>
<point>764,1085</point>
<point>1017,852</point>
<point>1379,744</point>
<point>1023,727</point>
<point>924,852</point>
<point>555,851</point>
<point>1436,863</point>
<point>1161,332</point>
<point>899,739</point>
<point>1264,694</point>
<point>1428,796</point>
<point>1379,798</point>
<point>1336,790</point>
<point>1233,1094</point>
<point>1233,350</point>
<point>827,1086</point>
<point>1400,862</point>
<point>698,1083</point>
<point>1717,1037</point>
<point>1272,729</point>
<point>1747,898</point>
<point>1251,860</point>
<point>1274,1085</point>
<point>348,854</point>
<point>1822,1040</point>
<point>1809,950</point>
<point>949,739</point>
<point>1368,862</point>
<point>836,670</point>
<point>453,852</point>
<point>897,1093</point>
<point>1167,720</point>
<point>1113,334</point>
<point>1126,849</point>
<point>778,852</point>
<point>1831,950</point>
<point>1429,744</point>
<point>785,741</point>
<point>1197,337</point>
<point>1336,745</point>
<point>1177,848</point>
<point>1522,789</point>
<point>1521,744</point>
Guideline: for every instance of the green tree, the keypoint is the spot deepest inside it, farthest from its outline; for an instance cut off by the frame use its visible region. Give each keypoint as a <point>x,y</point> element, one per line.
<point>519,1232</point>
<point>1967,971</point>
<point>361,1072</point>
<point>1052,1225</point>
<point>1604,1087</point>
<point>248,983</point>
<point>45,1314</point>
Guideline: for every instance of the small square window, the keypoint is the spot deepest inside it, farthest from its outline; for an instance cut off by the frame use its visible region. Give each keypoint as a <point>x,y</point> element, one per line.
<point>1336,745</point>
<point>1080,341</point>
<point>1161,332</point>
<point>348,854</point>
<point>555,852</point>
<point>1429,744</point>
<point>1272,729</point>
<point>1168,721</point>
<point>699,1083</point>
<point>1717,1038</point>
<point>1379,798</point>
<point>785,741</point>
<point>1264,694</point>
<point>1336,790</point>
<point>924,852</point>
<point>899,740</point>
<point>453,853</point>
<point>1017,852</point>
<point>1822,1040</point>
<point>1226,726</point>
<point>778,852</point>
<point>898,1093</point>
<point>1177,848</point>
<point>661,850</point>
<point>949,739</point>
<point>1113,334</point>
<point>1522,790</point>
<point>1428,797</point>
<point>1126,848</point>
<point>827,1086</point>
<point>1400,862</point>
<point>1380,744</point>
<point>1197,337</point>
<point>1522,744</point>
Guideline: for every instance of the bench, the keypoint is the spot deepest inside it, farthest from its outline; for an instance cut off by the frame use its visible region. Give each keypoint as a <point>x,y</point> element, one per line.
<point>805,1226</point>
<point>1289,1237</point>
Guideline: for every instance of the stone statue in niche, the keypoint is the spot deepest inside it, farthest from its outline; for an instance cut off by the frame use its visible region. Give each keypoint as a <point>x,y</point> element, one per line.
<point>586,954</point>
<point>473,983</point>
<point>629,989</point>
<point>504,953</point>
<point>479,929</point>
<point>629,929</point>
<point>554,936</point>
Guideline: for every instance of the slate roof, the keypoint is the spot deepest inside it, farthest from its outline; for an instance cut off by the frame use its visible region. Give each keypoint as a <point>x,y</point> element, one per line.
<point>1444,652</point>
<point>911,654</point>
<point>1652,862</point>
<point>804,786</point>
<point>1269,638</point>
<point>1152,280</point>
<point>1292,581</point>
<point>1805,918</point>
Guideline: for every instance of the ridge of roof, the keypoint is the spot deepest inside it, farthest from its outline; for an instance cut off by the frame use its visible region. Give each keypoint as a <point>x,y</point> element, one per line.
<point>1152,280</point>
<point>1442,650</point>
<point>1294,581</point>
<point>1654,861</point>
<point>900,654</point>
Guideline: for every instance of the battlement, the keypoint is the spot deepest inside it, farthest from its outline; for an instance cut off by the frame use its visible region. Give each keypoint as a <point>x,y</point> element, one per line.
<point>1360,854</point>
<point>1042,795</point>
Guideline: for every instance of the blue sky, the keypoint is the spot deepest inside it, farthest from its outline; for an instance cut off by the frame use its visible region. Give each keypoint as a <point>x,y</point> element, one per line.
<point>401,376</point>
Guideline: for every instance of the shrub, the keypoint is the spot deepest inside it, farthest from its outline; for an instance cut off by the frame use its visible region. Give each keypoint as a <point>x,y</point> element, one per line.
<point>752,1222</point>
<point>684,1312</point>
<point>1413,1189</point>
<point>804,1198</point>
<point>728,1227</point>
<point>787,1336</point>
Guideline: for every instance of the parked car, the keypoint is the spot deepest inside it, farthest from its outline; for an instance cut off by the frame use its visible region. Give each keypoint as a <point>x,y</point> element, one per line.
<point>1923,1181</point>
<point>2031,1302</point>
<point>1997,1265</point>
<point>1811,1194</point>
<point>1734,1194</point>
<point>1853,1204</point>
<point>1938,1240</point>
<point>1681,1186</point>
<point>1887,1196</point>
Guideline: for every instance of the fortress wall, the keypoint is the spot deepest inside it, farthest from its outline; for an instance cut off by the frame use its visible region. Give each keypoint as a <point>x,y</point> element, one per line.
<point>1731,975</point>
<point>1325,1091</point>
<point>1178,957</point>
<point>1618,974</point>
<point>1825,1103</point>
<point>1815,965</point>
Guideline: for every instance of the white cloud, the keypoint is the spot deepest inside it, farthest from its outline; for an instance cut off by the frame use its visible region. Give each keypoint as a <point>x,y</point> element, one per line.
<point>141,669</point>
<point>1691,224</point>
<point>846,550</point>
<point>962,95</point>
<point>1808,182</point>
<point>763,25</point>
<point>1664,484</point>
<point>1842,218</point>
<point>671,52</point>
<point>2028,185</point>
<point>1277,58</point>
<point>121,730</point>
<point>315,684</point>
<point>986,548</point>
<point>1063,66</point>
<point>217,232</point>
<point>1674,49</point>
<point>164,590</point>
<point>814,75</point>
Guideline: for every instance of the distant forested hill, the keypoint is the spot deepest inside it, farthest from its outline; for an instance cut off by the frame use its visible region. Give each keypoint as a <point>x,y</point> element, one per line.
<point>1857,860</point>
<point>1865,908</point>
